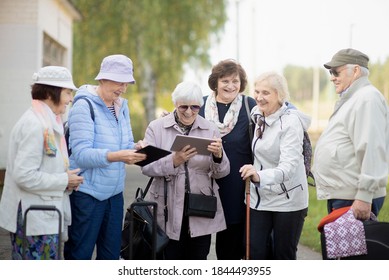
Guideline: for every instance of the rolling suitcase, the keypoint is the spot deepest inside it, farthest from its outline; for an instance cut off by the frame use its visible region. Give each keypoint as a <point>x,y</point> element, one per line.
<point>42,208</point>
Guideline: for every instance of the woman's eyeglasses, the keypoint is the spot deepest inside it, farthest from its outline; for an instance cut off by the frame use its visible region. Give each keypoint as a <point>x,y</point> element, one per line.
<point>194,108</point>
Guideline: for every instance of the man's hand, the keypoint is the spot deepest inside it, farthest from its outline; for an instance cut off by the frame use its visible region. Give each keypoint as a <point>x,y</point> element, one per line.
<point>361,210</point>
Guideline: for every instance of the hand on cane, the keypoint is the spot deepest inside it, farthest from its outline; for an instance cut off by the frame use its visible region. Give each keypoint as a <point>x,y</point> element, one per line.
<point>248,171</point>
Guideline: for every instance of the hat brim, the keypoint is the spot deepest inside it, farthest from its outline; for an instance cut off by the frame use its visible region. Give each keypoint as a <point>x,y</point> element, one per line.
<point>59,84</point>
<point>120,78</point>
<point>331,64</point>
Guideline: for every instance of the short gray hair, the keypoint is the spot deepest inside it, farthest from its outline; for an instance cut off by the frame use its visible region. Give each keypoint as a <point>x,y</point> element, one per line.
<point>187,92</point>
<point>364,71</point>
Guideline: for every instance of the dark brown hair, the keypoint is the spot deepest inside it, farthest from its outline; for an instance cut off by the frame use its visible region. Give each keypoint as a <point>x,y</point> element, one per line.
<point>226,68</point>
<point>43,92</point>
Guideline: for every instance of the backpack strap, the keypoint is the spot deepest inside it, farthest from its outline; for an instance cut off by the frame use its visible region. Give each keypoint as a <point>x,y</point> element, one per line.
<point>66,124</point>
<point>92,112</point>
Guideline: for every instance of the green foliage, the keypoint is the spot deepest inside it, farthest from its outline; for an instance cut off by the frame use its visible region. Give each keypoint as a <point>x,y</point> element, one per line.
<point>159,36</point>
<point>300,81</point>
<point>379,74</point>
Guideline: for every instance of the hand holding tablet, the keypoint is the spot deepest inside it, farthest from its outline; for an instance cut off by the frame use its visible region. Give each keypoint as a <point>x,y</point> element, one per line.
<point>153,153</point>
<point>200,143</point>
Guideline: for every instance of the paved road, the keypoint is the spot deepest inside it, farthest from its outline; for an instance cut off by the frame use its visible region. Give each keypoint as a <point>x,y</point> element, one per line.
<point>135,179</point>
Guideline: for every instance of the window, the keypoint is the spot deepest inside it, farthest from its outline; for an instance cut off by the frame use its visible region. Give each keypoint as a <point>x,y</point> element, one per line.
<point>53,53</point>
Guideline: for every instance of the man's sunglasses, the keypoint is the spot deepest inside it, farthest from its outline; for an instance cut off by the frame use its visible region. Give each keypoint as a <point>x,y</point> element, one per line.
<point>194,108</point>
<point>336,73</point>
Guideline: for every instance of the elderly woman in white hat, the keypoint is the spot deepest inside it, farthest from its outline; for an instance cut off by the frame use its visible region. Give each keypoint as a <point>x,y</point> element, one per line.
<point>101,146</point>
<point>38,168</point>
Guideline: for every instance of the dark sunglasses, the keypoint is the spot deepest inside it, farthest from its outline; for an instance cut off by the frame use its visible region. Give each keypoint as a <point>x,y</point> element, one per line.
<point>194,108</point>
<point>336,73</point>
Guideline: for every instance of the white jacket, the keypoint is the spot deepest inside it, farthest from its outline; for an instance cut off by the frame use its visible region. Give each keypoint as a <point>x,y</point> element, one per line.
<point>279,162</point>
<point>33,178</point>
<point>350,160</point>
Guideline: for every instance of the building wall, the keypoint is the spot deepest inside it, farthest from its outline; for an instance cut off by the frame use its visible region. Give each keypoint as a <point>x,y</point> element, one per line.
<point>23,24</point>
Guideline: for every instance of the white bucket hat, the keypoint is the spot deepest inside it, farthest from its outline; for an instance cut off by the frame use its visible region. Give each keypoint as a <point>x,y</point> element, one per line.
<point>54,76</point>
<point>117,68</point>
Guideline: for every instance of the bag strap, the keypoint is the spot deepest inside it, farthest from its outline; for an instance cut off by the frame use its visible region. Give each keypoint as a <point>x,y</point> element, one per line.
<point>187,184</point>
<point>92,112</point>
<point>251,123</point>
<point>165,210</point>
<point>143,195</point>
<point>246,104</point>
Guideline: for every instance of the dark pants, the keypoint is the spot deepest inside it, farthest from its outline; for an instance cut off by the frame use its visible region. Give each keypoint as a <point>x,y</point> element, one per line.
<point>94,222</point>
<point>283,227</point>
<point>230,242</point>
<point>188,248</point>
<point>376,204</point>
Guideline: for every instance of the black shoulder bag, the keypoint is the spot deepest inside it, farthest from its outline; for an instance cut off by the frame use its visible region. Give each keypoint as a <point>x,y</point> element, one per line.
<point>199,205</point>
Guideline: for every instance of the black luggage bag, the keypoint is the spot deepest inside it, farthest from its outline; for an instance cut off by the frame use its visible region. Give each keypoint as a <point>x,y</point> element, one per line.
<point>42,208</point>
<point>377,241</point>
<point>142,237</point>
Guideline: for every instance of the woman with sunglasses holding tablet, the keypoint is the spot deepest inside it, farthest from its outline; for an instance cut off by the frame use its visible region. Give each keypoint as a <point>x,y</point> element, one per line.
<point>190,236</point>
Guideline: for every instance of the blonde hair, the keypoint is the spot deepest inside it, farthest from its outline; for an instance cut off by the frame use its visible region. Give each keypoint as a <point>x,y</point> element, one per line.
<point>277,82</point>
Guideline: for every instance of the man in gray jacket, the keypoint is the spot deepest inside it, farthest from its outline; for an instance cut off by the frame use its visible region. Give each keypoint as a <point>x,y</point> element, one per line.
<point>351,155</point>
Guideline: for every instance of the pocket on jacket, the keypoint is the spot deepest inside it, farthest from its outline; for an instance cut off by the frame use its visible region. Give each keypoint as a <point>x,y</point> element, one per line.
<point>49,201</point>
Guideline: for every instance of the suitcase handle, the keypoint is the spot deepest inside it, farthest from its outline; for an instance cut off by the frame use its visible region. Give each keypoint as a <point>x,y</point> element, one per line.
<point>42,208</point>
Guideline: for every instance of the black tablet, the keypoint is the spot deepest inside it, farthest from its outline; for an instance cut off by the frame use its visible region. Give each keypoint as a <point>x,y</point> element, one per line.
<point>153,153</point>
<point>199,143</point>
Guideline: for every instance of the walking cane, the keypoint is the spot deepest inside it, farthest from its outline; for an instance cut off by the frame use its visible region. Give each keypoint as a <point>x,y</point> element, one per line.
<point>248,218</point>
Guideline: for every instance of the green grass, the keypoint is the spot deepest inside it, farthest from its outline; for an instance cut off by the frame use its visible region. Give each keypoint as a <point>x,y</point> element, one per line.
<point>317,209</point>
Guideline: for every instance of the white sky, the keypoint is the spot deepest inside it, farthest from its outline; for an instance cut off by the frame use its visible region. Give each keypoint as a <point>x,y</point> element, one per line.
<point>274,33</point>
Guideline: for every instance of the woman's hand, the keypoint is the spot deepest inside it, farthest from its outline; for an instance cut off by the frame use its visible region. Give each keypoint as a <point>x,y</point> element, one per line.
<point>248,171</point>
<point>74,180</point>
<point>216,148</point>
<point>126,156</point>
<point>164,113</point>
<point>140,144</point>
<point>184,155</point>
